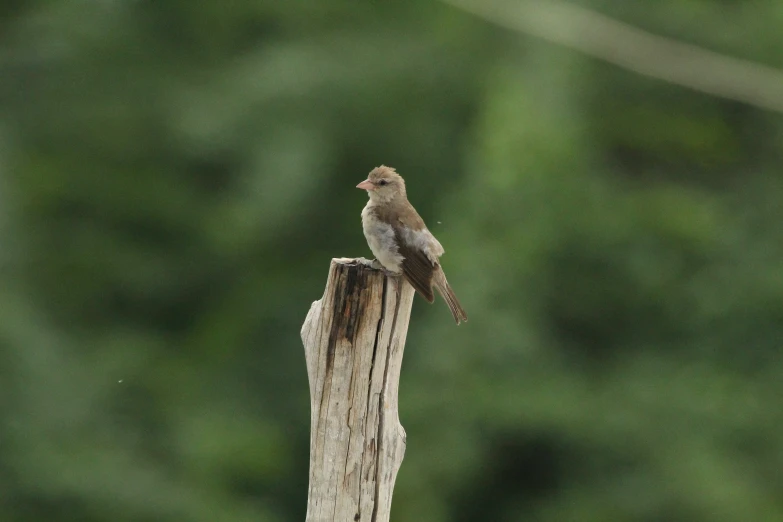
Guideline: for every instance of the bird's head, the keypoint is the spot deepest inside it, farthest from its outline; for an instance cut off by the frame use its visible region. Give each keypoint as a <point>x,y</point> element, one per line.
<point>383,184</point>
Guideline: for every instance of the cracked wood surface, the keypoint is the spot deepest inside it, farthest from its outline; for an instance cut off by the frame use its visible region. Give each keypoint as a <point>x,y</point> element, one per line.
<point>354,339</point>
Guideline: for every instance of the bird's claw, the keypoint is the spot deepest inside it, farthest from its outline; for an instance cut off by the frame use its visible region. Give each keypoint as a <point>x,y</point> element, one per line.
<point>376,265</point>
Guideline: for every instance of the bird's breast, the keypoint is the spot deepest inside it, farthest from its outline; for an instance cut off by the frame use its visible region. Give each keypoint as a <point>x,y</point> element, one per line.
<point>381,240</point>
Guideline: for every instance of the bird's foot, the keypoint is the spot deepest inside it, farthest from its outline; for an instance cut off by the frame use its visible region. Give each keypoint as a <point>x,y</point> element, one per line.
<point>376,265</point>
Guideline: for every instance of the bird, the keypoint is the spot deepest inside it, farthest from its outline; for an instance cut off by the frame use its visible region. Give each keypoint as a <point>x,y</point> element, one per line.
<point>400,240</point>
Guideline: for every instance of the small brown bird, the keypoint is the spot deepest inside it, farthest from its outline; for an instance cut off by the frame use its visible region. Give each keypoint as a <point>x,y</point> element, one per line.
<point>400,240</point>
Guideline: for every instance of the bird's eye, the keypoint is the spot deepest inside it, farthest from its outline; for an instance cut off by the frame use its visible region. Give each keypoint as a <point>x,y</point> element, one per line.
<point>383,182</point>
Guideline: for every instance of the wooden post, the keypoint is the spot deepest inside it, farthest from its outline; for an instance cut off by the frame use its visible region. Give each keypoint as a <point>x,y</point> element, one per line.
<point>354,338</point>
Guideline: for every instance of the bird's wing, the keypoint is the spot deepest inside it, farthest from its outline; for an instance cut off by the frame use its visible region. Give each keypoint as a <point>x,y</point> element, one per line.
<point>418,234</point>
<point>408,217</point>
<point>416,265</point>
<point>418,248</point>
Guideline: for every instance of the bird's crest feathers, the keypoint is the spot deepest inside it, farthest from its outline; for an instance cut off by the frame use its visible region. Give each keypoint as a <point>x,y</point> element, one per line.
<point>385,173</point>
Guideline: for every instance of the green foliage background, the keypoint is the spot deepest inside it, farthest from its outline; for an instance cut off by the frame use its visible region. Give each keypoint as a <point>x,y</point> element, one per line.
<point>175,177</point>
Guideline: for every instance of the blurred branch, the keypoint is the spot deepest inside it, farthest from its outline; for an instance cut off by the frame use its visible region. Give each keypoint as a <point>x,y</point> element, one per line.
<point>622,44</point>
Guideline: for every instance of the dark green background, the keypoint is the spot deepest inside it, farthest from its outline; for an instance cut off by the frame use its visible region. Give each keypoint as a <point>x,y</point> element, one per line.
<point>176,175</point>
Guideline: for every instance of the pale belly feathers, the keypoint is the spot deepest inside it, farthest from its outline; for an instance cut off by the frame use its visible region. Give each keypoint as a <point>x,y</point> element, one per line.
<point>380,238</point>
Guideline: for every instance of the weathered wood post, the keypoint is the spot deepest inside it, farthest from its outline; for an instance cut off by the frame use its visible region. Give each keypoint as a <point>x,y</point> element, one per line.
<point>354,338</point>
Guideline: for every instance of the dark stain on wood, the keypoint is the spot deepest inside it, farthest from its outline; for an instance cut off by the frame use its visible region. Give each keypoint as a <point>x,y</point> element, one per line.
<point>349,305</point>
<point>355,301</point>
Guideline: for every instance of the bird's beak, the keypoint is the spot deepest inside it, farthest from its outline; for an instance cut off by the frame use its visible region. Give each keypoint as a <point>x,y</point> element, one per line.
<point>366,185</point>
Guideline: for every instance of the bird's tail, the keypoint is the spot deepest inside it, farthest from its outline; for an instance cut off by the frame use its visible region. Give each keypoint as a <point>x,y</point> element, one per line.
<point>448,295</point>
